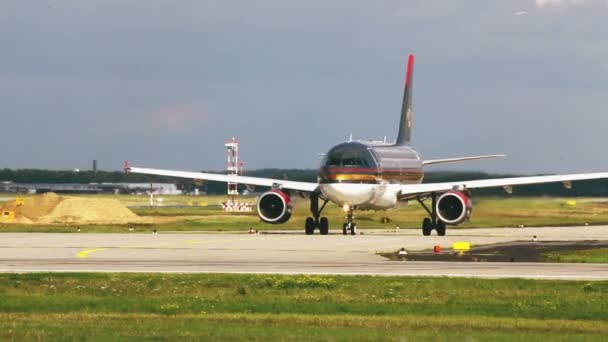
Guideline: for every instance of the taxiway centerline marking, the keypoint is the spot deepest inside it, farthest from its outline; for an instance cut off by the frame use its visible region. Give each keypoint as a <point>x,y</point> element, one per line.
<point>86,252</point>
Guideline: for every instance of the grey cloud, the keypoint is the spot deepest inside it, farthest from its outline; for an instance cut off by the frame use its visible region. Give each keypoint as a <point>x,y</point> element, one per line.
<point>100,79</point>
<point>549,3</point>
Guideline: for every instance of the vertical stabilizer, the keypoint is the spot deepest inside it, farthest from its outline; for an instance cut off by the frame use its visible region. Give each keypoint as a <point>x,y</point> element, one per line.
<point>405,125</point>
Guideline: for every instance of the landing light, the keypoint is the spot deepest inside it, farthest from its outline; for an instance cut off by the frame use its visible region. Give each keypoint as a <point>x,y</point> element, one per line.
<point>346,208</point>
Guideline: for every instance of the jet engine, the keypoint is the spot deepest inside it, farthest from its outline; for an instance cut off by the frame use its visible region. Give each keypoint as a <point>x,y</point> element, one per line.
<point>454,207</point>
<point>274,207</point>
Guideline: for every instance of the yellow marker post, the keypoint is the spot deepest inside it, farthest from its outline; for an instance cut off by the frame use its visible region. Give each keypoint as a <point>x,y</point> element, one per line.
<point>461,247</point>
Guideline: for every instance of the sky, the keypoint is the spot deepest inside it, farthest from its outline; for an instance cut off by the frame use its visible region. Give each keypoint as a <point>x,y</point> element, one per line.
<point>164,84</point>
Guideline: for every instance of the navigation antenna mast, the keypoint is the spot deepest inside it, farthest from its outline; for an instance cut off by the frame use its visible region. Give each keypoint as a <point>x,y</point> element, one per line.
<point>232,165</point>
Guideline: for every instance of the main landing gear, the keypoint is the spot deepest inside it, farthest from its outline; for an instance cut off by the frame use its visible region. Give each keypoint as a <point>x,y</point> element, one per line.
<point>349,226</point>
<point>428,224</point>
<point>316,221</point>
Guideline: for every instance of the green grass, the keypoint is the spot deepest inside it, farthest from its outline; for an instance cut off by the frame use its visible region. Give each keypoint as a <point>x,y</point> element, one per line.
<point>204,213</point>
<point>260,307</point>
<point>597,256</point>
<point>256,327</point>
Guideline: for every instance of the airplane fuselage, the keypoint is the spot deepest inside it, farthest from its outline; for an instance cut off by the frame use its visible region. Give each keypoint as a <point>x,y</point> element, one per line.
<point>368,176</point>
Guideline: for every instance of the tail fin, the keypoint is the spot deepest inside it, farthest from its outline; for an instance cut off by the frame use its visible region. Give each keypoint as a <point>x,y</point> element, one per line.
<point>405,125</point>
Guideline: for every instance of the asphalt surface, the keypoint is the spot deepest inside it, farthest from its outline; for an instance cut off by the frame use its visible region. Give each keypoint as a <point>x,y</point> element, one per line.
<point>285,253</point>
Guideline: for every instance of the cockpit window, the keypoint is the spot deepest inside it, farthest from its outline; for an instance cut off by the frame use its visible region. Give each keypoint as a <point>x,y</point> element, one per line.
<point>334,161</point>
<point>354,161</point>
<point>350,156</point>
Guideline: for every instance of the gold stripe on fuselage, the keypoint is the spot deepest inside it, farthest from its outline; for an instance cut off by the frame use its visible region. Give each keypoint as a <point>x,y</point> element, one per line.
<point>355,177</point>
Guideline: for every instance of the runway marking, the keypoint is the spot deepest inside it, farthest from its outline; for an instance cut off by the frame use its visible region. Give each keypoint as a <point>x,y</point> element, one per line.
<point>251,238</point>
<point>160,245</point>
<point>86,252</point>
<point>175,245</point>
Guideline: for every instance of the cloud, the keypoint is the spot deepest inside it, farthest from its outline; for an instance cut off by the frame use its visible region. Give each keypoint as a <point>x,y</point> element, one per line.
<point>172,117</point>
<point>168,120</point>
<point>148,80</point>
<point>549,3</point>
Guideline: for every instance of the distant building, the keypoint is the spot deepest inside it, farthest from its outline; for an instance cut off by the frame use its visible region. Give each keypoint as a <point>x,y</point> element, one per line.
<point>139,188</point>
<point>91,188</point>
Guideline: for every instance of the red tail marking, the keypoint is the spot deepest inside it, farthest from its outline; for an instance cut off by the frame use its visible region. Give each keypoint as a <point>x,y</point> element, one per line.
<point>410,65</point>
<point>126,166</point>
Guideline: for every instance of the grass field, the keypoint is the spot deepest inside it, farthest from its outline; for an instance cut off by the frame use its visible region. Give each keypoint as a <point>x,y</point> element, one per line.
<point>205,213</point>
<point>596,256</point>
<point>260,307</point>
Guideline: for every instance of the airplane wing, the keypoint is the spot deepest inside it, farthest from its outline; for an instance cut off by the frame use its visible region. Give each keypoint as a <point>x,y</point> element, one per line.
<point>281,183</point>
<point>411,190</point>
<point>451,160</point>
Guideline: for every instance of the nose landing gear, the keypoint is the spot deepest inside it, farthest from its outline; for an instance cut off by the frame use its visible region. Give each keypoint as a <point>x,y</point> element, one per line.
<point>349,226</point>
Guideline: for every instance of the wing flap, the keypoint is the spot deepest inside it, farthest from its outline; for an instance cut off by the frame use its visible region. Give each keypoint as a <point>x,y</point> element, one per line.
<point>414,189</point>
<point>287,184</point>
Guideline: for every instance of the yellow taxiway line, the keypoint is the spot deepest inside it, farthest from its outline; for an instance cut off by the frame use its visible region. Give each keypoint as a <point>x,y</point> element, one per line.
<point>86,252</point>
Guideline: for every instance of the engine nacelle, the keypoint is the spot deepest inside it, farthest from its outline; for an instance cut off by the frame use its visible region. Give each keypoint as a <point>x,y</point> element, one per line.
<point>454,207</point>
<point>274,207</point>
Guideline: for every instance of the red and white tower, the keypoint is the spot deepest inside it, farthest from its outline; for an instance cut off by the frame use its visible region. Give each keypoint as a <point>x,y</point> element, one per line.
<point>232,165</point>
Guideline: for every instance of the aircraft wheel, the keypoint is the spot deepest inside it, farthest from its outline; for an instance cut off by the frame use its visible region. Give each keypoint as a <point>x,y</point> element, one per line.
<point>353,229</point>
<point>309,226</point>
<point>324,226</point>
<point>426,227</point>
<point>440,228</point>
<point>344,229</point>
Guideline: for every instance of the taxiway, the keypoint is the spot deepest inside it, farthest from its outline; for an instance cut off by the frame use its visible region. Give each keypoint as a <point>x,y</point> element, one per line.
<point>283,253</point>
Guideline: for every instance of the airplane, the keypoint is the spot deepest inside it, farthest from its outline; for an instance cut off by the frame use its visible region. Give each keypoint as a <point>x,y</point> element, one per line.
<point>372,175</point>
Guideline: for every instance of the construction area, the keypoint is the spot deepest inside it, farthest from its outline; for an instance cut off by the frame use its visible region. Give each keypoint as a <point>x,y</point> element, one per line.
<point>51,208</point>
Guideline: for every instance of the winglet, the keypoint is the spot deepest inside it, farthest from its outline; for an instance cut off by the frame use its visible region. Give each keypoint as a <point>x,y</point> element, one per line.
<point>405,125</point>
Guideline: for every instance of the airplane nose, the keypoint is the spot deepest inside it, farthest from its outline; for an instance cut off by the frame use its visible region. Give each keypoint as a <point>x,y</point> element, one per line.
<point>351,194</point>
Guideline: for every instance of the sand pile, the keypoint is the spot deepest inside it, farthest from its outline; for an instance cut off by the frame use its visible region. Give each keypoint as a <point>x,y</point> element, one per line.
<point>34,207</point>
<point>51,208</point>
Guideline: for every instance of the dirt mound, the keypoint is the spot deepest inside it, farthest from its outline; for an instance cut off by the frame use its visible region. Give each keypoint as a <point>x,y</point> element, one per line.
<point>51,208</point>
<point>34,207</point>
<point>86,211</point>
